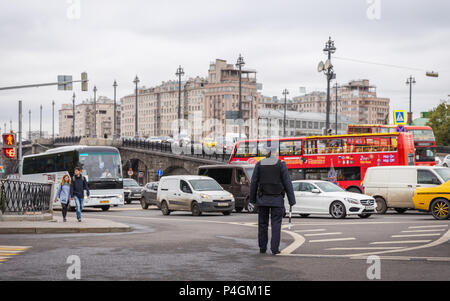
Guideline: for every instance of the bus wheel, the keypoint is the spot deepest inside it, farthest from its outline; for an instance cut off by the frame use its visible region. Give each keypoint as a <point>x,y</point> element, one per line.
<point>105,208</point>
<point>354,189</point>
<point>440,209</point>
<point>381,205</point>
<point>337,210</point>
<point>400,210</point>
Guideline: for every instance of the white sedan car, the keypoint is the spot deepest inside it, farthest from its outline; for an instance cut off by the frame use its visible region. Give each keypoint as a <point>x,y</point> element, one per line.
<point>322,197</point>
<point>446,161</point>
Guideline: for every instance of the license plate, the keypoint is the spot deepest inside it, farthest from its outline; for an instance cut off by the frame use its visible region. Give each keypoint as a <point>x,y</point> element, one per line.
<point>138,195</point>
<point>370,207</point>
<point>222,204</point>
<point>104,202</point>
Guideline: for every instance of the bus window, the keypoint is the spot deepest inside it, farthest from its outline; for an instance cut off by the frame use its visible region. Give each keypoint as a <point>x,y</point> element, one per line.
<point>336,146</point>
<point>50,164</point>
<point>316,174</point>
<point>246,149</point>
<point>322,146</point>
<point>28,165</point>
<point>69,162</point>
<point>348,173</point>
<point>297,174</point>
<point>311,147</point>
<point>291,148</point>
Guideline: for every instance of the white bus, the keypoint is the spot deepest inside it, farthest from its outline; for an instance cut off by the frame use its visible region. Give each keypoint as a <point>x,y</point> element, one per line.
<point>101,166</point>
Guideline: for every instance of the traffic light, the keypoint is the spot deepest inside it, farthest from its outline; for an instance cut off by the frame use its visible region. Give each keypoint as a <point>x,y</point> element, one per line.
<point>84,81</point>
<point>9,145</point>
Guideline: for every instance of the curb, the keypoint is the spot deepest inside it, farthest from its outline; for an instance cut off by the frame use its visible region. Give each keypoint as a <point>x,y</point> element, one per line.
<point>43,230</point>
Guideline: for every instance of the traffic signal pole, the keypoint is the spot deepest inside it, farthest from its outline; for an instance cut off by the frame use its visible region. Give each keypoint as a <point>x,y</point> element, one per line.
<point>19,153</point>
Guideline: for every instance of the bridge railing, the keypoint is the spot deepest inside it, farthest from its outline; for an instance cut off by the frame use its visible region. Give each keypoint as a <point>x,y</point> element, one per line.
<point>190,150</point>
<point>19,197</point>
<point>70,139</point>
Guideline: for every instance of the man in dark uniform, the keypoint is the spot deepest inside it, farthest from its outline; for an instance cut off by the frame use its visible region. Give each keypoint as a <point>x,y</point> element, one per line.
<point>270,181</point>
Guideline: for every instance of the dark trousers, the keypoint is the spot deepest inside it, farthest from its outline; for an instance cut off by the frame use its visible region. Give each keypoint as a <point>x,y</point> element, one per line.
<point>276,216</point>
<point>64,209</point>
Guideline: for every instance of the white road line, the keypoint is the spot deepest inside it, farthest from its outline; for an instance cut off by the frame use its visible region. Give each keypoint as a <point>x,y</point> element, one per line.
<point>309,230</point>
<point>364,257</point>
<point>421,231</point>
<point>435,226</point>
<point>399,242</point>
<point>318,234</point>
<point>14,248</point>
<point>333,239</point>
<point>364,248</point>
<point>417,235</point>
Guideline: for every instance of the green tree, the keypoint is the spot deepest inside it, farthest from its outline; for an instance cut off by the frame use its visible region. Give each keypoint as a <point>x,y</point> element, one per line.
<point>440,122</point>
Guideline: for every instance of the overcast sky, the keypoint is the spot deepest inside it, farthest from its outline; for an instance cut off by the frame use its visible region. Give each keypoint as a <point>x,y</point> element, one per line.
<point>282,40</point>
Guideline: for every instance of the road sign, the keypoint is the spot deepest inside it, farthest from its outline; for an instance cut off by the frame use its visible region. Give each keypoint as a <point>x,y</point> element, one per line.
<point>400,128</point>
<point>159,172</point>
<point>130,172</point>
<point>399,117</point>
<point>65,82</point>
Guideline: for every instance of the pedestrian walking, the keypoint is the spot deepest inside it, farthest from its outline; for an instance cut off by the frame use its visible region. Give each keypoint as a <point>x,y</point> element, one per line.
<point>270,182</point>
<point>79,185</point>
<point>63,195</point>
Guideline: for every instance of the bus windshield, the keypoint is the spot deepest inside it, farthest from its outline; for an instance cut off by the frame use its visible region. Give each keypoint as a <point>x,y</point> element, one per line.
<point>100,166</point>
<point>425,154</point>
<point>422,135</point>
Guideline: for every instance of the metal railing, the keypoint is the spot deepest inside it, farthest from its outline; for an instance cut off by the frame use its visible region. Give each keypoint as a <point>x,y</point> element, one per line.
<point>20,197</point>
<point>69,139</point>
<point>195,150</point>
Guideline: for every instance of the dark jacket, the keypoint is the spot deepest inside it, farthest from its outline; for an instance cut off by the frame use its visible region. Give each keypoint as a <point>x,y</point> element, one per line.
<point>272,200</point>
<point>78,186</point>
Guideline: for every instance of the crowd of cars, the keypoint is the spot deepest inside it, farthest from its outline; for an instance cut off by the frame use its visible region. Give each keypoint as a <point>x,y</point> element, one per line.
<point>225,188</point>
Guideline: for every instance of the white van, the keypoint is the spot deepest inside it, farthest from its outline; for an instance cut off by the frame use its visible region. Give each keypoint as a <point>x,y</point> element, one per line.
<point>394,186</point>
<point>193,193</point>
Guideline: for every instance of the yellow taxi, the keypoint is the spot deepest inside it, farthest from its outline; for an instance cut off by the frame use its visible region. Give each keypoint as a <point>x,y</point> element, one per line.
<point>434,199</point>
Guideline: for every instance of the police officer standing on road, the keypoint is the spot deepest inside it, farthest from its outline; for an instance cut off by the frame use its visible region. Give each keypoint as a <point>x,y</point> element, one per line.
<point>270,182</point>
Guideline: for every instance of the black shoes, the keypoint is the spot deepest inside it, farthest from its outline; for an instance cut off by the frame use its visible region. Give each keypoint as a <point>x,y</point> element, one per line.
<point>262,251</point>
<point>275,252</point>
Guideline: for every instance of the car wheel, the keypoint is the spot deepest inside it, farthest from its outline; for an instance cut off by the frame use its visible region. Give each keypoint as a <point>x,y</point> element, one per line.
<point>105,208</point>
<point>226,212</point>
<point>252,208</point>
<point>128,201</point>
<point>238,209</point>
<point>440,209</point>
<point>144,204</point>
<point>337,210</point>
<point>364,215</point>
<point>381,205</point>
<point>304,214</point>
<point>195,209</point>
<point>400,210</point>
<point>445,165</point>
<point>165,208</point>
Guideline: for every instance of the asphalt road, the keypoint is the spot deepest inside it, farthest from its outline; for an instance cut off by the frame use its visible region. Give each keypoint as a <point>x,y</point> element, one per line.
<point>410,246</point>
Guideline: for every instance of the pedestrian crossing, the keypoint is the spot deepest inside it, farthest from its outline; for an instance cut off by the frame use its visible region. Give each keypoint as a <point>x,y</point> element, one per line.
<point>7,252</point>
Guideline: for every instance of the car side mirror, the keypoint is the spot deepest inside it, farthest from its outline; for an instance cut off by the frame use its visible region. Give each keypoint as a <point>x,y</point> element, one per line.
<point>315,190</point>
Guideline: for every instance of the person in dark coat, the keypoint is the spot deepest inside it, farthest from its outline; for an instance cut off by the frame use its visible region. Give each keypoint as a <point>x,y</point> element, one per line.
<point>270,182</point>
<point>77,188</point>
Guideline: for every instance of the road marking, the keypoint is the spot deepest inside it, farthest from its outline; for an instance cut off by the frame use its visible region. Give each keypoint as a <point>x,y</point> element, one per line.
<point>399,242</point>
<point>416,235</point>
<point>298,241</point>
<point>309,230</point>
<point>329,233</point>
<point>332,239</point>
<point>7,251</point>
<point>364,248</point>
<point>420,231</point>
<point>406,258</point>
<point>435,226</point>
<point>14,248</point>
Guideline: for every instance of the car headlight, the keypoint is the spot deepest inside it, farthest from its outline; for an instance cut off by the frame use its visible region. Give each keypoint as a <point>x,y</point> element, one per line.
<point>352,201</point>
<point>205,196</point>
<point>120,196</point>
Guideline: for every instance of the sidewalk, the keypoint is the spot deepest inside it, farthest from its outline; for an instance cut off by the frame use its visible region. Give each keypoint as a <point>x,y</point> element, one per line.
<point>88,225</point>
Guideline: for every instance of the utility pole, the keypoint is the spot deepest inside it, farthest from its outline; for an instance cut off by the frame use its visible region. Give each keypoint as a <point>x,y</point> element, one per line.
<point>40,124</point>
<point>95,112</point>
<point>19,153</point>
<point>73,115</point>
<point>136,134</point>
<point>53,121</point>
<point>336,110</point>
<point>115,111</point>
<point>410,81</point>
<point>179,73</point>
<point>29,125</point>
<point>240,62</point>
<point>285,93</point>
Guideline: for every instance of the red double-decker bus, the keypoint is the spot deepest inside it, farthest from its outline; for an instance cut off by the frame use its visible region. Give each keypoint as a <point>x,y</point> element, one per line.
<point>348,155</point>
<point>424,141</point>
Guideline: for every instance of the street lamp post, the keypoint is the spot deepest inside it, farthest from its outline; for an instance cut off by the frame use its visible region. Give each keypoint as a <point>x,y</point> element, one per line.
<point>53,121</point>
<point>285,93</point>
<point>336,109</point>
<point>136,134</point>
<point>40,123</point>
<point>95,112</point>
<point>73,115</point>
<point>179,73</point>
<point>410,81</point>
<point>29,125</point>
<point>115,112</point>
<point>328,71</point>
<point>240,62</point>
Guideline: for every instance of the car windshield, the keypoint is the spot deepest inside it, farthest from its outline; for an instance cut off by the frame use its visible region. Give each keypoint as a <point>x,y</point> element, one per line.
<point>328,187</point>
<point>130,183</point>
<point>444,173</point>
<point>205,185</point>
